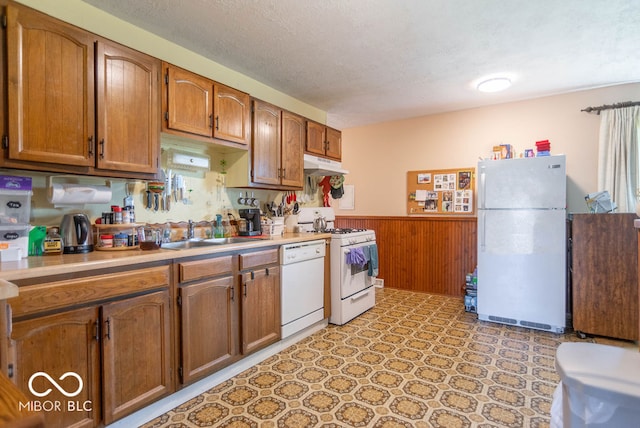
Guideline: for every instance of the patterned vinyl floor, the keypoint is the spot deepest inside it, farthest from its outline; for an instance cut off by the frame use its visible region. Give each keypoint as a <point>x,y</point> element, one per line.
<point>415,360</point>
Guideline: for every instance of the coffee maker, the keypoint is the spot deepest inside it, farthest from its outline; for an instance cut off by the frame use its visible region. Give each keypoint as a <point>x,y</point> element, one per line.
<point>252,226</point>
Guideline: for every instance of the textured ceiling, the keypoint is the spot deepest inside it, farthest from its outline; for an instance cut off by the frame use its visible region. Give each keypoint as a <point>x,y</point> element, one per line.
<point>368,61</point>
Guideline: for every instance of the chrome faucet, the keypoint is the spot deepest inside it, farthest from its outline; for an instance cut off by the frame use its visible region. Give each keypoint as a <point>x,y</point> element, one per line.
<point>191,230</point>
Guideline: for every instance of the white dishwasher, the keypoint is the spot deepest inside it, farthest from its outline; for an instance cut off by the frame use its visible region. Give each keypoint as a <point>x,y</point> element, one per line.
<point>302,285</point>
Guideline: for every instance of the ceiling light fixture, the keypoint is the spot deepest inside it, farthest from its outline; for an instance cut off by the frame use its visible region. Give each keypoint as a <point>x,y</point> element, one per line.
<point>495,84</point>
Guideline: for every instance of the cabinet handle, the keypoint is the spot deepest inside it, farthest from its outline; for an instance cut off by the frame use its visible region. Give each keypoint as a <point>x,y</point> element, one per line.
<point>91,146</point>
<point>102,149</point>
<point>245,289</point>
<point>97,335</point>
<point>267,271</point>
<point>284,172</point>
<point>233,294</point>
<point>217,123</point>
<point>210,121</point>
<point>108,331</point>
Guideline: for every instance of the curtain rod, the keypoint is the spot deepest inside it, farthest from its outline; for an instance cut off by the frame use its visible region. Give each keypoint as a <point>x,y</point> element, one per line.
<point>610,106</point>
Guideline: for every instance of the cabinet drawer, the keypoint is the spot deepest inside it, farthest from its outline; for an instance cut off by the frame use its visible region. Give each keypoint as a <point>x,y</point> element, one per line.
<point>60,294</point>
<point>199,269</point>
<point>258,258</point>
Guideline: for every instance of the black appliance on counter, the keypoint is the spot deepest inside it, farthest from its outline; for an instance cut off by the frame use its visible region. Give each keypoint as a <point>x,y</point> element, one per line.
<point>252,227</point>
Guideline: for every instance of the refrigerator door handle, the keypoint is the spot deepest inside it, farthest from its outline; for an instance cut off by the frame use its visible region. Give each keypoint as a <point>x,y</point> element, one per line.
<point>482,189</point>
<point>482,230</point>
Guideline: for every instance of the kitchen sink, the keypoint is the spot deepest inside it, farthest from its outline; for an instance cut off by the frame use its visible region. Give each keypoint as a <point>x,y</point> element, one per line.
<point>197,243</point>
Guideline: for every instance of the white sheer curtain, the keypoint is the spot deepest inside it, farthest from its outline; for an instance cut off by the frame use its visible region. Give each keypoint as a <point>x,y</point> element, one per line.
<point>618,156</point>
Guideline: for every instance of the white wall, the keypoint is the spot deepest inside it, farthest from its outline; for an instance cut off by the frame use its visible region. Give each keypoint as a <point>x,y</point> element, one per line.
<point>379,156</point>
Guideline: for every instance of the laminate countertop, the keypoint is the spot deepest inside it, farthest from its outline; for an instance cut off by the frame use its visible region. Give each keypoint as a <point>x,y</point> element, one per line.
<point>45,266</point>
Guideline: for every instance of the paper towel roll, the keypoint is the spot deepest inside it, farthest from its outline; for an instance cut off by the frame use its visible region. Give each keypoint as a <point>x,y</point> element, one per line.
<point>78,194</point>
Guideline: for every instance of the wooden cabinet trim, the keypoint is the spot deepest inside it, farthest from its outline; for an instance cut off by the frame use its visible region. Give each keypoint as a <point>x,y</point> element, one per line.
<point>259,258</point>
<point>199,269</point>
<point>61,294</point>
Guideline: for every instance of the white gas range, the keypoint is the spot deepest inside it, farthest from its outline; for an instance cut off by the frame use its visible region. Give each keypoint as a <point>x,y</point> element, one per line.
<point>354,264</point>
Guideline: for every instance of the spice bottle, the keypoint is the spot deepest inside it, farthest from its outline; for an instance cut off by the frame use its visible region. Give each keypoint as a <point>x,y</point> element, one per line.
<point>117,214</point>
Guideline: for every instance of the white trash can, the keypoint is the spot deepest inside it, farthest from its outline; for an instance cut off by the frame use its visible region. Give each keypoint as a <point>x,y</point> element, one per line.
<point>599,387</point>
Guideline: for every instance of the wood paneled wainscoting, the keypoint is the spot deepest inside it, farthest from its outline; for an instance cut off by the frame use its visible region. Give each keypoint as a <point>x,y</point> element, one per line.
<point>427,254</point>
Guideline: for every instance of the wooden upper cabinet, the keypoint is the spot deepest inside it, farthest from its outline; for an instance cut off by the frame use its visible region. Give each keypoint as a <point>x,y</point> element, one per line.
<point>203,108</point>
<point>323,141</point>
<point>266,143</point>
<point>293,135</point>
<point>316,137</point>
<point>128,109</point>
<point>334,144</point>
<point>51,89</point>
<point>189,102</point>
<point>77,103</point>
<point>232,110</point>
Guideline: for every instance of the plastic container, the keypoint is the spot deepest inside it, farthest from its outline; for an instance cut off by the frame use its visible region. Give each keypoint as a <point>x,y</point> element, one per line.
<point>15,200</point>
<point>600,386</point>
<point>15,236</point>
<point>105,241</point>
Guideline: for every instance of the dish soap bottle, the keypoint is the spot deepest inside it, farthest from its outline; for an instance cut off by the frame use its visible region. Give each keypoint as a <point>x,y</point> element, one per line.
<point>52,242</point>
<point>219,230</point>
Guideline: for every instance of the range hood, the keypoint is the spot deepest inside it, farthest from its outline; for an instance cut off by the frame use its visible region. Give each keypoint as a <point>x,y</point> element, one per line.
<point>315,165</point>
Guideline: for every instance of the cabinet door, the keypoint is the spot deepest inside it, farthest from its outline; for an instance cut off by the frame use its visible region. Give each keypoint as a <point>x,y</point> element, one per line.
<point>315,138</point>
<point>51,89</point>
<point>209,327</point>
<point>266,143</point>
<point>128,109</point>
<point>136,353</point>
<point>189,102</point>
<point>261,318</point>
<point>232,110</point>
<point>293,135</point>
<point>334,144</point>
<point>55,345</point>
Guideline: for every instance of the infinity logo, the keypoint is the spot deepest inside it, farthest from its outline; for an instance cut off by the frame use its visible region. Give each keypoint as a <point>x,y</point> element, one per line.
<point>54,383</point>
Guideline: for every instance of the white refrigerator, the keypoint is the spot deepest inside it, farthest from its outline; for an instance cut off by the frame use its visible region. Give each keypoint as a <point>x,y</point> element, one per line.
<point>522,242</point>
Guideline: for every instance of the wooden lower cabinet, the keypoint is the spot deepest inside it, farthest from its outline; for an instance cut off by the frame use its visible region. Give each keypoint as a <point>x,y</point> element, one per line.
<point>217,313</point>
<point>209,327</point>
<point>260,287</point>
<point>136,349</point>
<point>104,339</point>
<point>57,344</point>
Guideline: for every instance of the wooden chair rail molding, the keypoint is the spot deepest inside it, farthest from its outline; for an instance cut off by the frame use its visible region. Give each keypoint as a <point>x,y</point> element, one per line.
<point>426,254</point>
